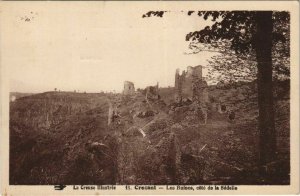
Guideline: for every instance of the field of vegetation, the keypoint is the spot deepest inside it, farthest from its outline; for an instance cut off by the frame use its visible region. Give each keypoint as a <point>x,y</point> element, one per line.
<point>63,138</point>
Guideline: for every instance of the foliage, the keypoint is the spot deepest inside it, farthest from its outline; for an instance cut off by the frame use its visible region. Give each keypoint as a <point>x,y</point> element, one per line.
<point>232,38</point>
<point>154,13</point>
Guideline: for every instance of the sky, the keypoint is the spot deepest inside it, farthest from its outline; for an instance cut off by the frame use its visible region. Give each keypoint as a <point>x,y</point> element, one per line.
<point>95,47</point>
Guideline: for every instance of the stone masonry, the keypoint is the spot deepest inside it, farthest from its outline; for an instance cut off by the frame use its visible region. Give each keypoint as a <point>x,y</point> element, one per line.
<point>128,88</point>
<point>190,84</point>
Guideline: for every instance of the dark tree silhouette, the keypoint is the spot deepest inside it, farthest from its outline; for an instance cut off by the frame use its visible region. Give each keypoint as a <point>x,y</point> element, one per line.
<point>242,66</point>
<point>248,34</point>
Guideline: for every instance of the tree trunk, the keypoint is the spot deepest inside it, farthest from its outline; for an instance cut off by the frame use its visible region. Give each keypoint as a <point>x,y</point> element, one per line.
<point>266,124</point>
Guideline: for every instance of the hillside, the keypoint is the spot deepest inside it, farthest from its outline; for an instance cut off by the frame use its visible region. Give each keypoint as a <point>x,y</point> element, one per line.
<point>64,138</point>
<point>17,95</point>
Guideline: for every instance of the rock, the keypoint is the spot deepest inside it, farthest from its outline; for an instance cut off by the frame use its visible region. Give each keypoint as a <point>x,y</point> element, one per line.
<point>214,148</point>
<point>182,109</point>
<point>186,101</point>
<point>171,112</point>
<point>237,139</point>
<point>228,133</point>
<point>145,114</point>
<point>176,126</point>
<point>132,132</point>
<point>148,113</point>
<point>157,124</point>
<point>95,147</point>
<point>240,97</point>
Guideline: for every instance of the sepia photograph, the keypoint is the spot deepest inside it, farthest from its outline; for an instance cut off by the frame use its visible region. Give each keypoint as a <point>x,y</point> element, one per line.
<point>146,94</point>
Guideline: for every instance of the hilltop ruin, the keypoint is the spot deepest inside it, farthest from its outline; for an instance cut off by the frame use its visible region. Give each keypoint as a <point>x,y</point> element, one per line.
<point>128,88</point>
<point>190,84</point>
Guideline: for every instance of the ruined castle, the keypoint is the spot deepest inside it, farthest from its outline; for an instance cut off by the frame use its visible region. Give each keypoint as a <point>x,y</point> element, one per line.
<point>128,88</point>
<point>190,84</point>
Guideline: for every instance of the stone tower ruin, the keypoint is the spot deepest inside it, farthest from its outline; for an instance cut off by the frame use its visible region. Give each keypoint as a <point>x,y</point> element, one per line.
<point>190,84</point>
<point>128,88</point>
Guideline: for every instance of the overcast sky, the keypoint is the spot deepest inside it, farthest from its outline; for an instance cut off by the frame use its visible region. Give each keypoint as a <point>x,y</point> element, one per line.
<point>95,48</point>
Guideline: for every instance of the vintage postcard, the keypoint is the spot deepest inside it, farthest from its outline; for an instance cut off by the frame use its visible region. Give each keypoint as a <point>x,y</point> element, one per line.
<point>149,97</point>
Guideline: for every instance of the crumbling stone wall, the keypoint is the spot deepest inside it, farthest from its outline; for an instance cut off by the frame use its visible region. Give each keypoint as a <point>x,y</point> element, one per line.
<point>200,91</point>
<point>152,92</point>
<point>190,84</point>
<point>110,114</point>
<point>113,113</point>
<point>128,88</point>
